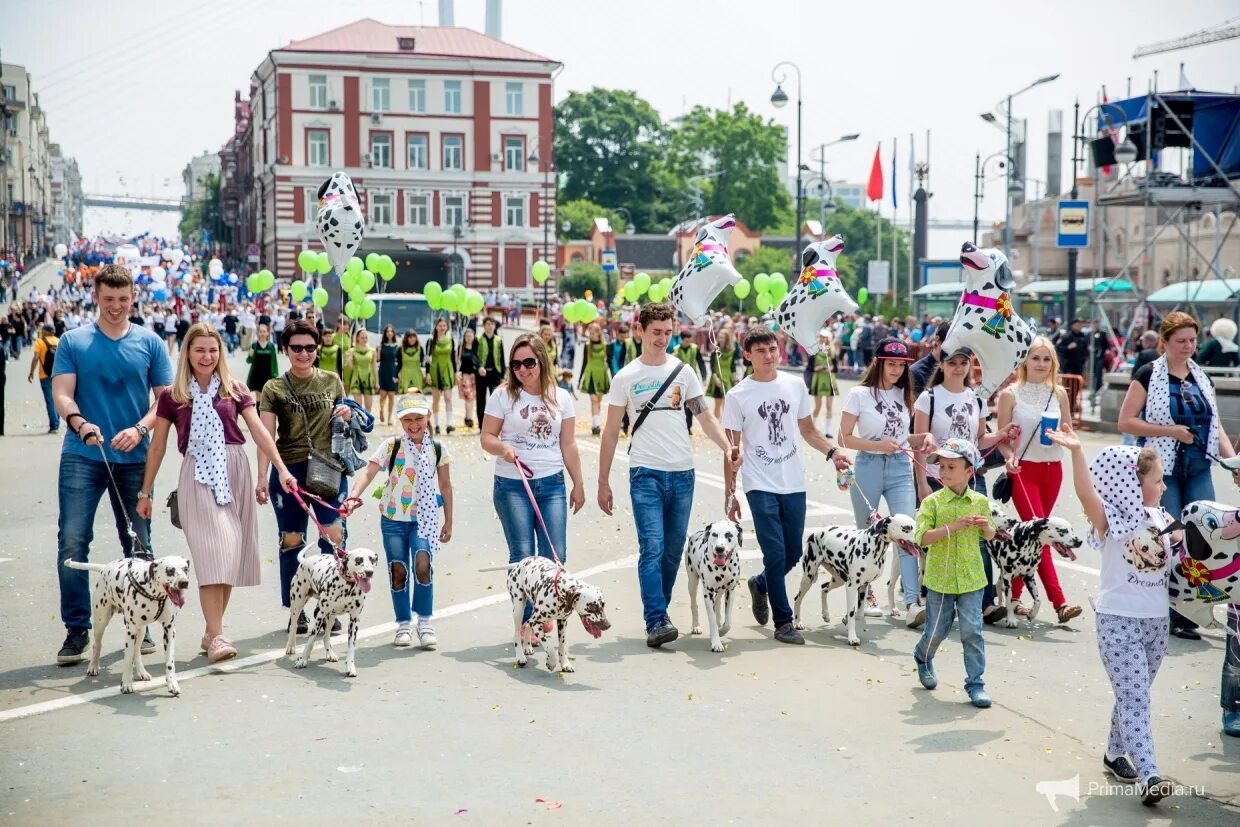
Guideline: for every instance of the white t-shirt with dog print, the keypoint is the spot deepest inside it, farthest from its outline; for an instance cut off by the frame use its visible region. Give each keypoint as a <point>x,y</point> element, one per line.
<point>880,414</point>
<point>956,416</point>
<point>662,444</point>
<point>532,428</point>
<point>767,415</point>
<point>1133,579</point>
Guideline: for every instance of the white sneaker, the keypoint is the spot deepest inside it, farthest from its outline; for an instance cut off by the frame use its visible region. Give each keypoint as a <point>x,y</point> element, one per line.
<point>871,605</point>
<point>916,615</point>
<point>426,635</point>
<point>404,636</point>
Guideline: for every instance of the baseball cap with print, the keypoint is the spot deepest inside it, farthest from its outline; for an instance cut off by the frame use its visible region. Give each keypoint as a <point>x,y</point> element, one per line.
<point>955,448</point>
<point>892,349</point>
<point>412,404</point>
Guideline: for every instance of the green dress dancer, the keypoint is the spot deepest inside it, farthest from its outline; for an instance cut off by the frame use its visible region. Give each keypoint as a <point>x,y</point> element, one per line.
<point>330,358</point>
<point>362,375</point>
<point>443,372</point>
<point>595,380</point>
<point>823,382</point>
<point>411,375</point>
<point>722,368</point>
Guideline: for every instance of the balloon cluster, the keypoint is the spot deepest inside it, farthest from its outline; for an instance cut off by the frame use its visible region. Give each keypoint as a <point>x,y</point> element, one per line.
<point>643,285</point>
<point>771,289</point>
<point>456,299</point>
<point>581,311</point>
<point>359,278</point>
<point>260,282</point>
<point>312,262</point>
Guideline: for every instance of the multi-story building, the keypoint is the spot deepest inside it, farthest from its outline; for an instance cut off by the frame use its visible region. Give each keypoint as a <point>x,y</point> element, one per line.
<point>27,163</point>
<point>67,202</point>
<point>446,133</point>
<point>196,173</point>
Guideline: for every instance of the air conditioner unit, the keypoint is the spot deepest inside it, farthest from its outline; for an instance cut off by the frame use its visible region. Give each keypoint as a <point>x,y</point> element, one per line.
<point>495,157</point>
<point>366,159</point>
<point>375,117</point>
<point>334,106</point>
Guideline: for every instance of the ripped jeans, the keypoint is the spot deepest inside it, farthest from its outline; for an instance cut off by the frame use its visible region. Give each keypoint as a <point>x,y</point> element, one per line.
<point>402,545</point>
<point>292,519</point>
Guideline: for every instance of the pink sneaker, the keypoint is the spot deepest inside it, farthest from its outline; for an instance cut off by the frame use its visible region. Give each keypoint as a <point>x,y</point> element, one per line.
<point>220,649</point>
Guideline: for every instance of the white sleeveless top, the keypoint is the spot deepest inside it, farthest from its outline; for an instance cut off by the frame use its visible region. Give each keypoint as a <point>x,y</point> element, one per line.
<point>1031,406</point>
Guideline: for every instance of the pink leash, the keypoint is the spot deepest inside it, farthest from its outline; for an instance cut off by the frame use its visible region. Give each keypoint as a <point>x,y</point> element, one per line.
<point>526,473</point>
<point>301,495</point>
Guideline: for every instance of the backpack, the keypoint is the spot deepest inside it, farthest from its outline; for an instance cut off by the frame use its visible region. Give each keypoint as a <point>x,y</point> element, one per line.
<point>49,357</point>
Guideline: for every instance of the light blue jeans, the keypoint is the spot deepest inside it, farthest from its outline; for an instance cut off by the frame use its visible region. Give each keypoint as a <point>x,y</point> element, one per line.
<point>941,610</point>
<point>888,477</point>
<point>662,501</point>
<point>521,530</point>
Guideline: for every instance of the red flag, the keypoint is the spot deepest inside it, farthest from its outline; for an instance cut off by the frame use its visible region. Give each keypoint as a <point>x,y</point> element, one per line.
<point>874,189</point>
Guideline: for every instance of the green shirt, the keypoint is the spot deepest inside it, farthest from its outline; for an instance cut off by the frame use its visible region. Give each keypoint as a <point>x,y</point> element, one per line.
<point>953,564</point>
<point>318,396</point>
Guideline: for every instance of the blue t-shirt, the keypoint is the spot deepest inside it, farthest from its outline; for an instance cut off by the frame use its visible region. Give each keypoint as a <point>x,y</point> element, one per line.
<point>114,382</point>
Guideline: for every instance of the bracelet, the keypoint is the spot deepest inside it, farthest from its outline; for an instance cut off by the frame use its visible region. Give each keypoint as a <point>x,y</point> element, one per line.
<point>831,453</point>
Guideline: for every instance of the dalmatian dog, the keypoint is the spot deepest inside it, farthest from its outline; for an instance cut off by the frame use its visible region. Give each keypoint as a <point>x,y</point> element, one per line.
<point>893,421</point>
<point>1205,569</point>
<point>853,558</point>
<point>540,422</point>
<point>1017,549</point>
<point>340,222</point>
<point>712,556</point>
<point>340,584</point>
<point>985,322</point>
<point>816,296</point>
<point>772,411</point>
<point>707,272</point>
<point>555,595</point>
<point>142,592</point>
<point>963,418</point>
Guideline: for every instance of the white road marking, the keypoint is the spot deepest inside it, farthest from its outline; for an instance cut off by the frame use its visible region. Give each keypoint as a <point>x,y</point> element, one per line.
<point>6,559</point>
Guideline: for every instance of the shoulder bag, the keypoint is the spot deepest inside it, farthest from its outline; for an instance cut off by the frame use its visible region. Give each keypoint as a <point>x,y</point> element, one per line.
<point>323,471</point>
<point>649,406</point>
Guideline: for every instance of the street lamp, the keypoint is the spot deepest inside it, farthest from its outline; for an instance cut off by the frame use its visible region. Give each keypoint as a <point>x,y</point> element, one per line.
<point>779,98</point>
<point>979,182</point>
<point>546,224</point>
<point>826,199</point>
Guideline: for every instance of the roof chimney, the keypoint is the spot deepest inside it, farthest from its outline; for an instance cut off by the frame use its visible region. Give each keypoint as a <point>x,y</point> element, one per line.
<point>446,15</point>
<point>495,21</point>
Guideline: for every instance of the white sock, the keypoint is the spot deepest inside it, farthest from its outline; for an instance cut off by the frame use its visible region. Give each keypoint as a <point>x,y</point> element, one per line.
<point>594,421</point>
<point>424,620</point>
<point>435,419</point>
<point>449,412</point>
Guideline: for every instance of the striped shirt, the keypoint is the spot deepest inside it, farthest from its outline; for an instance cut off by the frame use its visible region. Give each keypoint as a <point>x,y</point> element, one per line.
<point>954,563</point>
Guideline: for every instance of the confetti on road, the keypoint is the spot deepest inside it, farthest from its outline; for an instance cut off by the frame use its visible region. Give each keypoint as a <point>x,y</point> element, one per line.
<point>460,810</point>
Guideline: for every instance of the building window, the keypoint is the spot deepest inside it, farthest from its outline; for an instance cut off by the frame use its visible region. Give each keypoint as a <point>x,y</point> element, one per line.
<point>381,150</point>
<point>452,97</point>
<point>454,210</point>
<point>514,211</point>
<point>417,96</point>
<point>381,95</point>
<point>312,206</point>
<point>514,96</point>
<point>417,152</point>
<point>418,209</point>
<point>381,208</point>
<point>318,91</point>
<point>514,154</point>
<point>317,148</point>
<point>453,152</point>
<point>10,92</point>
<point>10,122</point>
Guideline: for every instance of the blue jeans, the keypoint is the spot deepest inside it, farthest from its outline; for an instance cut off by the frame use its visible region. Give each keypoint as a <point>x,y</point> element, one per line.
<point>516,516</point>
<point>941,610</point>
<point>661,501</point>
<point>53,418</point>
<point>233,340</point>
<point>978,484</point>
<point>779,522</point>
<point>292,519</point>
<point>890,477</point>
<point>1182,489</point>
<point>401,544</point>
<point>1229,695</point>
<point>81,483</point>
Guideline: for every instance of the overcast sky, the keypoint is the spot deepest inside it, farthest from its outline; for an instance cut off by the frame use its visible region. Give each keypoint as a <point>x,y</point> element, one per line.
<point>133,89</point>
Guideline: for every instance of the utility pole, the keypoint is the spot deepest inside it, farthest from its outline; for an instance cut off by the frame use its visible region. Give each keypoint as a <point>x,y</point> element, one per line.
<point>1070,302</point>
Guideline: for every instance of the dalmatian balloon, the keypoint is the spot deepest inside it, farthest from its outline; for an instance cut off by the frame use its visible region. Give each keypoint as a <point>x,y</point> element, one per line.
<point>816,296</point>
<point>340,222</point>
<point>984,321</point>
<point>708,271</point>
<point>1205,568</point>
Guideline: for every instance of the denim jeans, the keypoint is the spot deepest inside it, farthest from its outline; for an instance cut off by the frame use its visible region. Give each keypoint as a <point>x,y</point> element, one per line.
<point>292,519</point>
<point>401,544</point>
<point>978,484</point>
<point>516,516</point>
<point>1229,695</point>
<point>1182,489</point>
<point>80,485</point>
<point>53,418</point>
<point>889,477</point>
<point>661,501</point>
<point>779,522</point>
<point>941,610</point>
<point>233,340</point>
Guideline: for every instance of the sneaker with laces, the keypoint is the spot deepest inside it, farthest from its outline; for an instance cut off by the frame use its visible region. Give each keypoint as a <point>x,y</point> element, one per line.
<point>871,604</point>
<point>787,633</point>
<point>760,605</point>
<point>148,645</point>
<point>1121,769</point>
<point>404,636</point>
<point>220,648</point>
<point>665,632</point>
<point>74,646</point>
<point>426,635</point>
<point>925,674</point>
<point>916,615</point>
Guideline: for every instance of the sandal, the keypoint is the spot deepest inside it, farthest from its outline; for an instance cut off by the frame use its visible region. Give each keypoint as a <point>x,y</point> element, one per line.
<point>220,649</point>
<point>1067,612</point>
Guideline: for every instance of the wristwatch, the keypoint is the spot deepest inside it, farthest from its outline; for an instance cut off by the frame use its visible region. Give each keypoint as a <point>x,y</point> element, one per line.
<point>144,495</point>
<point>831,453</point>
<point>142,429</point>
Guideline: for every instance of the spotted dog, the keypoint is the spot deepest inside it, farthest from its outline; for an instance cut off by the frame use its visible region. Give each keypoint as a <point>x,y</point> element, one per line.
<point>854,558</point>
<point>816,296</point>
<point>707,271</point>
<point>554,595</point>
<point>340,584</point>
<point>1017,549</point>
<point>142,592</point>
<point>712,557</point>
<point>1205,569</point>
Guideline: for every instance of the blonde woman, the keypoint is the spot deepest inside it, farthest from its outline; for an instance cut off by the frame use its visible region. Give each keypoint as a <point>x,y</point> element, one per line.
<point>1036,402</point>
<point>214,490</point>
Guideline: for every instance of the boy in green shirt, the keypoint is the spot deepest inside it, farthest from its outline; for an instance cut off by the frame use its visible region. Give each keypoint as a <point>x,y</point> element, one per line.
<point>950,523</point>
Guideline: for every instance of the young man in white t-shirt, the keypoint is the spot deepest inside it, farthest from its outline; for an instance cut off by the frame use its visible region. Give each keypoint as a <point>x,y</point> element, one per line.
<point>661,472</point>
<point>758,415</point>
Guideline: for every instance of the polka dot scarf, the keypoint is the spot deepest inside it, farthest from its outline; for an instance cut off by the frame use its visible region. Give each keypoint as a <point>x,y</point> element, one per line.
<point>1114,474</point>
<point>425,489</point>
<point>206,441</point>
<point>1158,410</point>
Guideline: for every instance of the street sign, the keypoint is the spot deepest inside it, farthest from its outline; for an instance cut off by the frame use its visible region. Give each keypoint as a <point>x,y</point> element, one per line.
<point>878,277</point>
<point>252,250</point>
<point>609,261</point>
<point>1073,224</point>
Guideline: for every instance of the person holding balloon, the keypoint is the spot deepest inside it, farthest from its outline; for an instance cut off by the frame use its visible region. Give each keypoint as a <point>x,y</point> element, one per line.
<point>409,360</point>
<point>442,372</point>
<point>362,366</point>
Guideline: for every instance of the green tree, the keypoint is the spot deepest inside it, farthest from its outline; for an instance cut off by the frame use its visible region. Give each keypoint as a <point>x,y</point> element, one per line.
<point>581,276</point>
<point>205,214</point>
<point>580,215</point>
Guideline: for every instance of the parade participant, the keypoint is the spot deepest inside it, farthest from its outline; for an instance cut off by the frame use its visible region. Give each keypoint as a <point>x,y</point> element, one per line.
<point>341,339</point>
<point>297,409</point>
<point>331,357</point>
<point>102,383</point>
<point>923,369</point>
<point>1036,402</point>
<point>416,479</point>
<point>758,417</point>
<point>467,361</point>
<point>362,367</point>
<point>661,468</point>
<point>820,379</point>
<point>389,368</point>
<point>214,502</point>
<point>547,333</point>
<point>442,373</point>
<point>1120,492</point>
<point>723,368</point>
<point>491,366</point>
<point>951,524</point>
<point>687,352</point>
<point>43,361</point>
<point>409,370</point>
<point>263,361</point>
<point>595,377</point>
<point>622,350</point>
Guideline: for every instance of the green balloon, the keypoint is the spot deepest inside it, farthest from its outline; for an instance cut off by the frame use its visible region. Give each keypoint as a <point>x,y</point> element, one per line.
<point>459,289</point>
<point>348,281</point>
<point>474,302</point>
<point>631,292</point>
<point>432,289</point>
<point>269,279</point>
<point>863,296</point>
<point>451,301</point>
<point>320,297</point>
<point>656,293</point>
<point>387,268</point>
<point>298,289</point>
<point>777,292</point>
<point>642,280</point>
<point>541,270</point>
<point>666,283</point>
<point>434,302</point>
<point>761,282</point>
<point>741,289</point>
<point>368,308</point>
<point>588,313</point>
<point>357,294</point>
<point>777,278</point>
<point>308,260</point>
<point>354,265</point>
<point>325,263</point>
<point>764,302</point>
<point>352,309</point>
<point>366,280</point>
<point>251,283</point>
<point>372,261</point>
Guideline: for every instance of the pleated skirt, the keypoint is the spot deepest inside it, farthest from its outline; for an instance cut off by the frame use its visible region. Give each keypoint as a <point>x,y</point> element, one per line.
<point>222,539</point>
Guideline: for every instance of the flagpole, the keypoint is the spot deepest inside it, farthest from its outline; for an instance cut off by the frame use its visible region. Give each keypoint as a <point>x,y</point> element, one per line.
<point>895,211</point>
<point>912,168</point>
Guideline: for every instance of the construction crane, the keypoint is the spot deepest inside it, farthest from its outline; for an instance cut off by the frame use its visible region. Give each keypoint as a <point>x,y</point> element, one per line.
<point>1211,34</point>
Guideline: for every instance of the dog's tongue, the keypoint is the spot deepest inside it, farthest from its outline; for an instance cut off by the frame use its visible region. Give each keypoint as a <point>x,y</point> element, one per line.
<point>594,631</point>
<point>364,584</point>
<point>1064,551</point>
<point>177,596</point>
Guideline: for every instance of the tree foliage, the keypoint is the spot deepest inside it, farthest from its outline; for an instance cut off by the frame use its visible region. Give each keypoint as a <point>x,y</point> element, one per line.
<point>580,215</point>
<point>205,214</point>
<point>580,276</point>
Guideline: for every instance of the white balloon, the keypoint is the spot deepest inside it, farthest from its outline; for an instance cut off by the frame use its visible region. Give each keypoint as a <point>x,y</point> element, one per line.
<point>159,275</point>
<point>984,321</point>
<point>816,296</point>
<point>60,250</point>
<point>215,267</point>
<point>176,257</point>
<point>1217,527</point>
<point>340,223</point>
<point>708,271</point>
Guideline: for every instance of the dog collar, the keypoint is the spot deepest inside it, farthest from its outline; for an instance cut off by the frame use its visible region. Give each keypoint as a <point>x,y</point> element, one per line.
<point>160,600</point>
<point>978,300</point>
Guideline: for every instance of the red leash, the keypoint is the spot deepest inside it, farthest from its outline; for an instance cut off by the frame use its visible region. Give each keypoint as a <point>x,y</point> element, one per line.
<point>526,473</point>
<point>301,495</point>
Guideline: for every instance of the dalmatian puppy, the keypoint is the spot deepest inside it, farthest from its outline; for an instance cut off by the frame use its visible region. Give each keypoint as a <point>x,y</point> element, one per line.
<point>1205,569</point>
<point>1017,549</point>
<point>340,222</point>
<point>712,556</point>
<point>540,422</point>
<point>772,411</point>
<point>816,296</point>
<point>555,595</point>
<point>853,558</point>
<point>708,270</point>
<point>340,584</point>
<point>962,418</point>
<point>142,592</point>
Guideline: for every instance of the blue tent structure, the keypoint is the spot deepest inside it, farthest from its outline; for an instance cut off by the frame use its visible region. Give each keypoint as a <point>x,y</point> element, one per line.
<point>1208,122</point>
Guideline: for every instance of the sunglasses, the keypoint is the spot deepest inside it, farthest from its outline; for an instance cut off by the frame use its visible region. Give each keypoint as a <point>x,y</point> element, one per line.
<point>303,348</point>
<point>528,364</point>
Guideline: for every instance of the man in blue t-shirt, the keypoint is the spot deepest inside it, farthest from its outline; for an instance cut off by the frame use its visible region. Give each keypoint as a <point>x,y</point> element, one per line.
<point>102,381</point>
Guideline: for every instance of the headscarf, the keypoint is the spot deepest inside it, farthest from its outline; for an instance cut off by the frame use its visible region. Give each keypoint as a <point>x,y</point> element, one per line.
<point>423,457</point>
<point>1114,475</point>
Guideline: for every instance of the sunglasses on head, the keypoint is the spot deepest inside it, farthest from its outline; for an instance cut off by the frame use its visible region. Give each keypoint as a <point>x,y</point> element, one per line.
<point>303,348</point>
<point>529,363</point>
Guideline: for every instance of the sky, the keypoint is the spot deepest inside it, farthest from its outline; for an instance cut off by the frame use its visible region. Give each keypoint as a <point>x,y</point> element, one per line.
<point>135,89</point>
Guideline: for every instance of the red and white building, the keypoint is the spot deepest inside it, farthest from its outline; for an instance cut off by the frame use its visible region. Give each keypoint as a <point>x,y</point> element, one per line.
<point>436,126</point>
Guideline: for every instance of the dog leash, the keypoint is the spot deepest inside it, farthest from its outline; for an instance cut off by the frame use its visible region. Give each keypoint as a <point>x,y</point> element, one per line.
<point>139,549</point>
<point>526,474</point>
<point>301,495</point>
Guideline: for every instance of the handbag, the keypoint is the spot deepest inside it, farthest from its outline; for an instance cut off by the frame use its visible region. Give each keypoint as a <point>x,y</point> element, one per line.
<point>174,510</point>
<point>1002,489</point>
<point>323,471</point>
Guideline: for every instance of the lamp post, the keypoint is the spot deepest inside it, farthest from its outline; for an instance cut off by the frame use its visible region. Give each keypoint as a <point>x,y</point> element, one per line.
<point>979,182</point>
<point>779,98</point>
<point>826,199</point>
<point>546,221</point>
<point>629,229</point>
